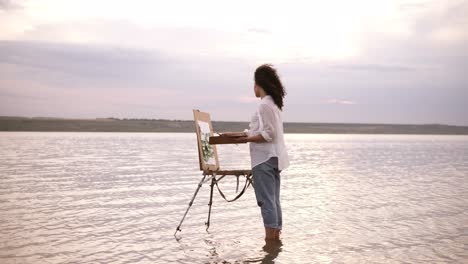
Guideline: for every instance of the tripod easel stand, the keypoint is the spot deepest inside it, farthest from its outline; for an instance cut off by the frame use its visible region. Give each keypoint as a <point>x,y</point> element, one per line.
<point>209,163</point>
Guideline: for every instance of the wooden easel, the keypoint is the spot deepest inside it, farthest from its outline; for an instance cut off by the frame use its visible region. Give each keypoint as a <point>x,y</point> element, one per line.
<point>209,162</point>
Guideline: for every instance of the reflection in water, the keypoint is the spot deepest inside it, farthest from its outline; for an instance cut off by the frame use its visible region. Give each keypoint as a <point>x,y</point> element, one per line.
<point>118,197</point>
<point>272,248</point>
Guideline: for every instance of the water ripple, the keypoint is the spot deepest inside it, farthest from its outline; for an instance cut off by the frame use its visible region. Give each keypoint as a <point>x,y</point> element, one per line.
<point>117,198</point>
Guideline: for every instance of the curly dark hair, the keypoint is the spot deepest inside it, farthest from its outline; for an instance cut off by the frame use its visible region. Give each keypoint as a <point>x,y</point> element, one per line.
<point>267,78</point>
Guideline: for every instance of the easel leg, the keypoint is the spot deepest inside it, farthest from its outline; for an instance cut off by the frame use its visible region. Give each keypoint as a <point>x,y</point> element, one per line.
<point>213,181</point>
<point>191,202</point>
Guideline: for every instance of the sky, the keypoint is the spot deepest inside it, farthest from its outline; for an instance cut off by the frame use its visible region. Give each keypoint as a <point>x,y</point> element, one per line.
<point>361,61</point>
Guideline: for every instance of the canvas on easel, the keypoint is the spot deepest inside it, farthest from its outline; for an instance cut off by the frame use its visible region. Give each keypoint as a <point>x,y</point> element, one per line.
<point>207,153</point>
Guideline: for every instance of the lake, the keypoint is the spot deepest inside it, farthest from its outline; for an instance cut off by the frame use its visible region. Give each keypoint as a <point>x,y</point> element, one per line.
<point>118,197</point>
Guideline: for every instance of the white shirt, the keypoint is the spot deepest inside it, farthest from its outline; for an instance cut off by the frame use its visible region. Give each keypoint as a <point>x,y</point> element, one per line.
<point>268,121</point>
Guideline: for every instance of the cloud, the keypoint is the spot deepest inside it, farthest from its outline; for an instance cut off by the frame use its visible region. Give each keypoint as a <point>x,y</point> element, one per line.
<point>169,39</point>
<point>372,67</point>
<point>20,95</point>
<point>80,60</point>
<point>259,30</point>
<point>85,65</point>
<point>336,101</point>
<point>9,4</point>
<point>76,76</point>
<point>413,6</point>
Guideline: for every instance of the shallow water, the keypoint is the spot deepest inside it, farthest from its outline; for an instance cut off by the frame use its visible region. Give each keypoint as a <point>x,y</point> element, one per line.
<point>118,197</point>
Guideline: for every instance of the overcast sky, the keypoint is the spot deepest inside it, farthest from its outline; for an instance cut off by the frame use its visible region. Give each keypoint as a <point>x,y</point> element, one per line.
<point>340,61</point>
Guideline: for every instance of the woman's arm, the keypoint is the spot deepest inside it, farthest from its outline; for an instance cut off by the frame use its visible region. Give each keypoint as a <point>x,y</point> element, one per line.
<point>268,119</point>
<point>267,134</point>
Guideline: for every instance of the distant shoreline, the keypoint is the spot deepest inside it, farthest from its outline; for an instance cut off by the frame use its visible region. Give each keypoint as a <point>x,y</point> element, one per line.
<point>47,124</point>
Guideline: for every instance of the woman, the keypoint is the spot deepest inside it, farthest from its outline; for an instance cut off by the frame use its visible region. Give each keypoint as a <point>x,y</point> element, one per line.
<point>267,148</point>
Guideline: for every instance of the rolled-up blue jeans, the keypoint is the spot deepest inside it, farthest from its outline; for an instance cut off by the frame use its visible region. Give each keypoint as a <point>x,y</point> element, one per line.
<point>266,183</point>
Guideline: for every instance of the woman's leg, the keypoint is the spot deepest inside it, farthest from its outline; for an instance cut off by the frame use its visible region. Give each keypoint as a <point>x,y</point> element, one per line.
<point>270,233</point>
<point>279,213</point>
<point>264,186</point>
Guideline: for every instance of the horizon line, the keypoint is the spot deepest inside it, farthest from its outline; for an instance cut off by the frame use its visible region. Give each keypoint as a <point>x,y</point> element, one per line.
<point>176,120</point>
